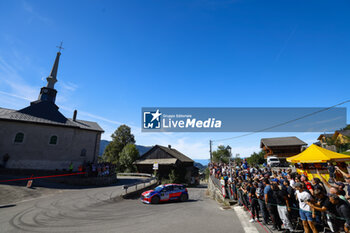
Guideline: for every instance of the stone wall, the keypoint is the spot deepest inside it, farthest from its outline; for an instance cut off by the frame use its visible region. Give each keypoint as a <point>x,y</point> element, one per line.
<point>214,191</point>
<point>35,152</point>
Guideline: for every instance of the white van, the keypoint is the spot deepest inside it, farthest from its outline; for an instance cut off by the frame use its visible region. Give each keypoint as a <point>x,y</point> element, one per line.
<point>273,161</point>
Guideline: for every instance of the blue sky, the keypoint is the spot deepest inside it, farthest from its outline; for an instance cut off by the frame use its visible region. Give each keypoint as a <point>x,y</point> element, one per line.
<point>120,56</point>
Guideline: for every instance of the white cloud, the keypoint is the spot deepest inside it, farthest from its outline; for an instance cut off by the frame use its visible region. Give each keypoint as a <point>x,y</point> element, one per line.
<point>34,14</point>
<point>67,85</point>
<point>13,84</point>
<point>15,96</point>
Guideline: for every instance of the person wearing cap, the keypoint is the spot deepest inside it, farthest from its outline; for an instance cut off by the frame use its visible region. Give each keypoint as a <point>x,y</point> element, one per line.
<point>339,186</point>
<point>275,180</point>
<point>347,181</point>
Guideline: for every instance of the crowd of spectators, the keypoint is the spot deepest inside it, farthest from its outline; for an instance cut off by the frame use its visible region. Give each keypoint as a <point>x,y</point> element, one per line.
<point>282,197</point>
<point>98,169</point>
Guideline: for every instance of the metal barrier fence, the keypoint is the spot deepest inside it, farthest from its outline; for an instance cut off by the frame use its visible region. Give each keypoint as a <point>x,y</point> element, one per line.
<point>216,182</point>
<point>139,185</point>
<point>135,174</point>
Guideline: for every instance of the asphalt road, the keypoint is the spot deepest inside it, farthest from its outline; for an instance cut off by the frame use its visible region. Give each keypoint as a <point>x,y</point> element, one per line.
<point>100,210</point>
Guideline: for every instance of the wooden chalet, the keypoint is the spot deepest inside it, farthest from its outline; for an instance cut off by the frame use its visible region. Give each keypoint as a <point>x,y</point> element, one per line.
<point>324,140</point>
<point>167,159</point>
<point>282,147</point>
<point>341,137</point>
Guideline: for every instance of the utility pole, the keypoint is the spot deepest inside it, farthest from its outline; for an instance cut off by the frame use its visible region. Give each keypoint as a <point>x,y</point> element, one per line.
<point>211,155</point>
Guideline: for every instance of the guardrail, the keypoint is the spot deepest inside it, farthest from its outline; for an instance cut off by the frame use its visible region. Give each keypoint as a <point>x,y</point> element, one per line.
<point>216,182</point>
<point>135,174</point>
<point>139,185</point>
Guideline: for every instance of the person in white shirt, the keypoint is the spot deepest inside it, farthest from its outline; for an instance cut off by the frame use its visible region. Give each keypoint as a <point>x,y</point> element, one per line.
<point>305,210</point>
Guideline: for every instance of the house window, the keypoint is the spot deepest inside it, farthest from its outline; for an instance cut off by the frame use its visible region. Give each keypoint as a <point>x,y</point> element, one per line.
<point>83,152</point>
<point>53,140</point>
<point>19,138</point>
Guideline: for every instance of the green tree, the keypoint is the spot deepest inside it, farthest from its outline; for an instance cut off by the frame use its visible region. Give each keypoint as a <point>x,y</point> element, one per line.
<point>206,173</point>
<point>221,155</point>
<point>173,176</point>
<point>256,158</point>
<point>120,138</point>
<point>346,128</point>
<point>127,158</point>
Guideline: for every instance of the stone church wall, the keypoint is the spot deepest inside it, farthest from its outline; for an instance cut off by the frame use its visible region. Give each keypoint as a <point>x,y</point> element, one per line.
<point>35,152</point>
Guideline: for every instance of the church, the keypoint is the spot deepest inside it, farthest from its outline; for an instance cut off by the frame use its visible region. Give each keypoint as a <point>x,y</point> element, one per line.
<point>41,137</point>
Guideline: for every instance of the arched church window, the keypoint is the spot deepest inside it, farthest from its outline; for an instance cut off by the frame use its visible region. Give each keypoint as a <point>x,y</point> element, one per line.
<point>53,140</point>
<point>83,152</point>
<point>19,138</point>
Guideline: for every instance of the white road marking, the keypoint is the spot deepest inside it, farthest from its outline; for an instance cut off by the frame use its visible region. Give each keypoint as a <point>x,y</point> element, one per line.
<point>244,219</point>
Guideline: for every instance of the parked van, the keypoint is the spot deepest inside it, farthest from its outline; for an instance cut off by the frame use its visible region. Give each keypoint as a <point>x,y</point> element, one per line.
<point>273,161</point>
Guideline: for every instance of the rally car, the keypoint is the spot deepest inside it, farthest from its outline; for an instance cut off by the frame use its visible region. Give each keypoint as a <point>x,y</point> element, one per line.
<point>163,193</point>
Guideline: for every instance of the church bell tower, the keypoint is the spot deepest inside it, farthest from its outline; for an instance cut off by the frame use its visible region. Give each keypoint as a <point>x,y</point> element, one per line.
<point>48,93</point>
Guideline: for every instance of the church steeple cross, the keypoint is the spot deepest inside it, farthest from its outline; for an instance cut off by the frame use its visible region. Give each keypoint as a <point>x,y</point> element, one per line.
<point>60,47</point>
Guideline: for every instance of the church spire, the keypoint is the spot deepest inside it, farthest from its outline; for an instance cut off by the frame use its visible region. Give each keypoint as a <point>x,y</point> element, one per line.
<point>48,93</point>
<point>52,79</point>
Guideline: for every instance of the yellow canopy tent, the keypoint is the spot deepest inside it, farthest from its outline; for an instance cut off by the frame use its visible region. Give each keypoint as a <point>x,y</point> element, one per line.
<point>316,154</point>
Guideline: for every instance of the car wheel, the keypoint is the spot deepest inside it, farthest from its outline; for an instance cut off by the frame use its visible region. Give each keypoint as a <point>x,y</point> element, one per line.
<point>183,197</point>
<point>155,200</point>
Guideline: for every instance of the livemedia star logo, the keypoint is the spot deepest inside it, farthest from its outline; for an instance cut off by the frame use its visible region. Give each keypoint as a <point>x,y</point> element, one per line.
<point>151,120</point>
<point>157,120</point>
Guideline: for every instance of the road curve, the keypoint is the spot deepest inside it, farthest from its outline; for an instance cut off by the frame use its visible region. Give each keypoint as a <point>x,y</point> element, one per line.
<point>99,210</point>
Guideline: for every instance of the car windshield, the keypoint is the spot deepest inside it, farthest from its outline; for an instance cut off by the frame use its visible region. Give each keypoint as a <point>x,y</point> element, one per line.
<point>273,159</point>
<point>159,188</point>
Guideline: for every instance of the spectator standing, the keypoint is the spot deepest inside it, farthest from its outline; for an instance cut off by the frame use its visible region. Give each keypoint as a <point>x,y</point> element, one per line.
<point>262,204</point>
<point>347,182</point>
<point>304,209</point>
<point>271,205</point>
<point>291,180</point>
<point>283,206</point>
<point>343,210</point>
<point>317,184</point>
<point>308,185</point>
<point>254,204</point>
<point>327,209</point>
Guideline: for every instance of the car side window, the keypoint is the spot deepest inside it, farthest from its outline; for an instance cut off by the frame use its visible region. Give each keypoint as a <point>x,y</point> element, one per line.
<point>176,188</point>
<point>170,188</point>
